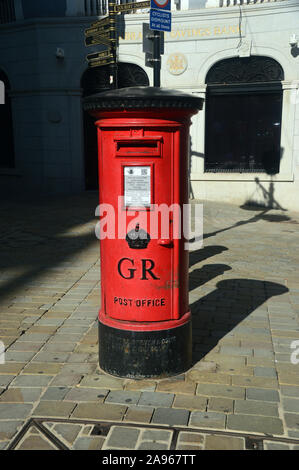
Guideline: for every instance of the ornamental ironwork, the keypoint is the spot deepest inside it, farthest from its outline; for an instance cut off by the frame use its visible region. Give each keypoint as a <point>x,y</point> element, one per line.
<point>245,70</point>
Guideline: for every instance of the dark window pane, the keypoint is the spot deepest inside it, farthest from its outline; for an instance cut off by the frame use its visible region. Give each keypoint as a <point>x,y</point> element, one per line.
<point>243,132</point>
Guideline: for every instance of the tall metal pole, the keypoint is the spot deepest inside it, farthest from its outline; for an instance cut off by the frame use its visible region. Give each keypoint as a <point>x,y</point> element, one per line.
<point>157,59</point>
<point>113,41</point>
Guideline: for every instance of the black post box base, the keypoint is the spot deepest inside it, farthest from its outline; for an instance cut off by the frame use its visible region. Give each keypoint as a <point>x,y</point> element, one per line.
<point>145,354</point>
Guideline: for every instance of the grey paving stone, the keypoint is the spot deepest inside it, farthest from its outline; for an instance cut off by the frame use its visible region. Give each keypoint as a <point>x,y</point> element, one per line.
<point>170,416</point>
<point>67,380</point>
<point>209,420</point>
<point>79,358</point>
<point>21,395</point>
<point>89,443</point>
<point>35,337</point>
<point>26,346</point>
<point>122,437</point>
<point>59,347</point>
<point>220,442</point>
<point>9,428</point>
<point>263,353</point>
<point>156,435</point>
<point>268,445</point>
<point>31,381</point>
<point>49,322</point>
<point>187,438</point>
<point>236,351</point>
<point>14,411</point>
<point>156,399</point>
<point>67,431</point>
<point>219,390</point>
<point>4,445</point>
<point>18,356</point>
<point>139,414</point>
<point>286,390</point>
<point>55,393</point>
<point>265,372</point>
<point>292,421</point>
<point>75,330</point>
<point>45,356</point>
<point>152,446</point>
<point>102,381</point>
<point>262,394</point>
<point>78,394</point>
<point>123,397</point>
<point>57,409</point>
<point>259,408</point>
<point>6,380</point>
<point>251,423</point>
<point>65,338</point>
<point>291,404</point>
<point>225,405</point>
<point>71,369</point>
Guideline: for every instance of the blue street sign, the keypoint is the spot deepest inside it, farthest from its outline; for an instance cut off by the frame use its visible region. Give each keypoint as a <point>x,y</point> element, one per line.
<point>160,20</point>
<point>161,4</point>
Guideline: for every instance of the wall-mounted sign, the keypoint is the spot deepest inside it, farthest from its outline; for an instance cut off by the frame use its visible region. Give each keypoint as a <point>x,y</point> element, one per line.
<point>177,63</point>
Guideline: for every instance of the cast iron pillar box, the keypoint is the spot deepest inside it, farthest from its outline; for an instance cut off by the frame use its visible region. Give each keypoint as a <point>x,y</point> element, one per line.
<point>144,321</point>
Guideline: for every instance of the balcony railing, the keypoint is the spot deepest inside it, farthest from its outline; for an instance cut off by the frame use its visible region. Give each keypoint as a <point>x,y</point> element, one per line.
<point>7,11</point>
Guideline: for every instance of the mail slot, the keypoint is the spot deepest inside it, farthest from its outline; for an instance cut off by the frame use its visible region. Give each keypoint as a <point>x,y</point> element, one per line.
<point>144,321</point>
<point>138,147</point>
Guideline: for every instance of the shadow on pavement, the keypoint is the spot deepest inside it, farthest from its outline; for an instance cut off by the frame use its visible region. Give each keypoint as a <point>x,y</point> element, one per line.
<point>199,277</point>
<point>204,253</point>
<point>38,235</point>
<point>218,313</point>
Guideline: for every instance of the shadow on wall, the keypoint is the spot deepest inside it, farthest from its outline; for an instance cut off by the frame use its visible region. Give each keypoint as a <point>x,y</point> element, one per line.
<point>268,200</point>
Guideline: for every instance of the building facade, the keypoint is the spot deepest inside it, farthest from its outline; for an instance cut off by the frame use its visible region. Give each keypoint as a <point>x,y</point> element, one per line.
<point>241,56</point>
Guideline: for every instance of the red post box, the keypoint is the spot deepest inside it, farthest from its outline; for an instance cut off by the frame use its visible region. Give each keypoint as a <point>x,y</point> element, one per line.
<point>144,321</point>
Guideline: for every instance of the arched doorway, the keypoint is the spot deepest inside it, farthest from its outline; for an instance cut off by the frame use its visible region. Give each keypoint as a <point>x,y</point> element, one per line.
<point>93,81</point>
<point>7,154</point>
<point>243,116</point>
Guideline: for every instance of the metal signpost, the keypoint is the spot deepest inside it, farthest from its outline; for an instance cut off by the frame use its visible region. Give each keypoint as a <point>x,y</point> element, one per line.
<point>104,32</point>
<point>160,21</point>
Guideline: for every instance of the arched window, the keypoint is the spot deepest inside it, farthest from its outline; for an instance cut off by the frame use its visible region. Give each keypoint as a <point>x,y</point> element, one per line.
<point>96,80</point>
<point>7,155</point>
<point>243,116</point>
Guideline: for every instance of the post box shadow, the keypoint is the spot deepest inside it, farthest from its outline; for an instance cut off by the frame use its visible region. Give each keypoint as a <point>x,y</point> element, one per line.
<point>204,253</point>
<point>199,277</point>
<point>216,315</point>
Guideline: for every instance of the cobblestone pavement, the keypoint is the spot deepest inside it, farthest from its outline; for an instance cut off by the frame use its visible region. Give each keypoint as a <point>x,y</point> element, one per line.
<point>244,294</point>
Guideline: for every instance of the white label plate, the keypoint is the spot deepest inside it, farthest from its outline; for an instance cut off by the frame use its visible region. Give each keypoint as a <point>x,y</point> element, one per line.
<point>137,187</point>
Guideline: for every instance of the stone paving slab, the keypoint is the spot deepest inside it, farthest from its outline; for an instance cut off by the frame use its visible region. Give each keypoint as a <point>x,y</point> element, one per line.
<point>245,318</point>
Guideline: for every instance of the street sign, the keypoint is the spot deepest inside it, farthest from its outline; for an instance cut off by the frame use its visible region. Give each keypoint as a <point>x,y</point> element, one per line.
<point>103,38</point>
<point>96,29</point>
<point>101,62</point>
<point>132,6</point>
<point>161,4</point>
<point>99,55</point>
<point>101,22</point>
<point>160,20</point>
